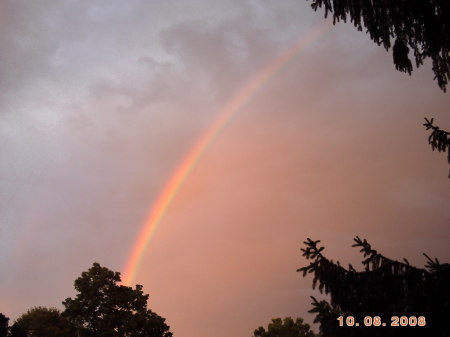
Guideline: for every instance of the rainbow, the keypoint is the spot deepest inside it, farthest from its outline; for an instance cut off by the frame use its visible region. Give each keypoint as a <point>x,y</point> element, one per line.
<point>238,100</point>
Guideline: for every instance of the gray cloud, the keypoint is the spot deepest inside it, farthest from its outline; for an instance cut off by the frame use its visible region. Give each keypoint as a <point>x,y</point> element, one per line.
<point>100,102</point>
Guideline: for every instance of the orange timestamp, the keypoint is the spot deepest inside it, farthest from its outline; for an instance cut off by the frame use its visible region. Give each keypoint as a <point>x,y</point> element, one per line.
<point>376,321</point>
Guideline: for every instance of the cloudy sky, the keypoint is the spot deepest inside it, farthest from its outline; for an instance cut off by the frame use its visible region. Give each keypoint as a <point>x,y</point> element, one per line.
<point>101,100</point>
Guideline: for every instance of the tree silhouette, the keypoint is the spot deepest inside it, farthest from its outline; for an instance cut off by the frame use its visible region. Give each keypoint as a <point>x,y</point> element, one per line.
<point>43,322</point>
<point>386,288</point>
<point>285,328</point>
<point>103,308</point>
<point>17,331</point>
<point>438,139</point>
<point>422,25</point>
<point>3,325</point>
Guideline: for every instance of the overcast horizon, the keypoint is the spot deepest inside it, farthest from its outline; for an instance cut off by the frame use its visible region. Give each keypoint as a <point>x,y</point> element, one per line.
<point>100,102</point>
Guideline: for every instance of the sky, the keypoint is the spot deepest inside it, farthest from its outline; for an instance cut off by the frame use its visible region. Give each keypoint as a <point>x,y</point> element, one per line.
<point>100,101</point>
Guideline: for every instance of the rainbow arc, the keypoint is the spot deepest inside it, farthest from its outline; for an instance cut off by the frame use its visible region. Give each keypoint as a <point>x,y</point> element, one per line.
<point>181,173</point>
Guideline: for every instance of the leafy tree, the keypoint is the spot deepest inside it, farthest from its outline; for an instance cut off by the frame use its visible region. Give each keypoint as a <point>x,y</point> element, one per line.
<point>422,25</point>
<point>104,308</point>
<point>3,325</point>
<point>438,139</point>
<point>43,322</point>
<point>285,328</point>
<point>386,288</point>
<point>17,331</point>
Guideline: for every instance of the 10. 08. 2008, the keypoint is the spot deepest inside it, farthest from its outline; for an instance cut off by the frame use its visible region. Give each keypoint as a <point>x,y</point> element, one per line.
<point>376,321</point>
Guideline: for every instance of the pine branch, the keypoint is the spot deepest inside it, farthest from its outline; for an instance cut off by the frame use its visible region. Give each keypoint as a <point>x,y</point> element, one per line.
<point>321,266</point>
<point>376,260</point>
<point>432,266</point>
<point>420,26</point>
<point>386,287</point>
<point>438,139</point>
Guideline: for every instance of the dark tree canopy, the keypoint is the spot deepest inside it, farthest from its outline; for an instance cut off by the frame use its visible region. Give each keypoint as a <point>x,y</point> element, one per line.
<point>43,322</point>
<point>420,25</point>
<point>285,328</point>
<point>385,288</point>
<point>16,331</point>
<point>3,325</point>
<point>103,308</point>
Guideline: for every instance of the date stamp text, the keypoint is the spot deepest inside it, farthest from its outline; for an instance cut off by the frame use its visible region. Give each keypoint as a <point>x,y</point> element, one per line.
<point>376,321</point>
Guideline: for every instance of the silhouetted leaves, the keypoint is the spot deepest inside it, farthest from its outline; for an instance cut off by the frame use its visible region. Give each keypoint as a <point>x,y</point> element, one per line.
<point>423,25</point>
<point>3,325</point>
<point>385,288</point>
<point>102,308</point>
<point>285,328</point>
<point>17,331</point>
<point>438,139</point>
<point>43,322</point>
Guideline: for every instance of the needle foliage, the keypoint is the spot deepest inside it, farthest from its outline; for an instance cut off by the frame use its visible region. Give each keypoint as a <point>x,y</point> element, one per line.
<point>385,288</point>
<point>422,26</point>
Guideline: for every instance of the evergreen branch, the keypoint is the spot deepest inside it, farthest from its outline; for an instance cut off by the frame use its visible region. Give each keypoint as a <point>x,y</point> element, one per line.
<point>418,25</point>
<point>387,287</point>
<point>376,260</point>
<point>438,139</point>
<point>433,266</point>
